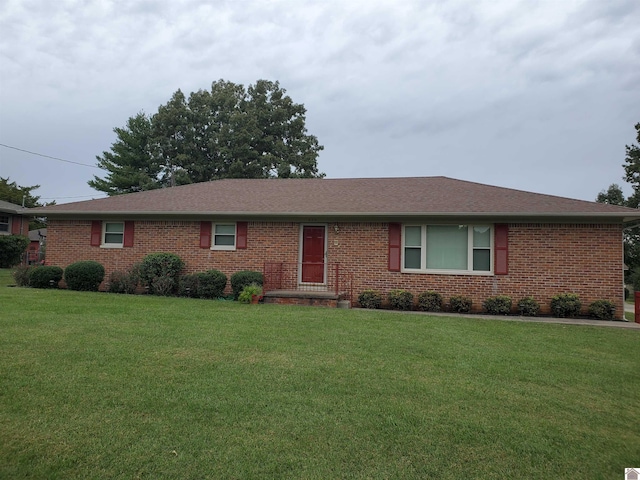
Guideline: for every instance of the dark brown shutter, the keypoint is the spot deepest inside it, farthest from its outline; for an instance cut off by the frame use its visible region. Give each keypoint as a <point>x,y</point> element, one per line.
<point>15,225</point>
<point>501,266</point>
<point>128,234</point>
<point>241,235</point>
<point>395,246</point>
<point>205,234</point>
<point>96,233</point>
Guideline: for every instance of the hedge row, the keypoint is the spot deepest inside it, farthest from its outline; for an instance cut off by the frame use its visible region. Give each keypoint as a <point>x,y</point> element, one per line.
<point>562,305</point>
<point>85,276</point>
<point>157,273</point>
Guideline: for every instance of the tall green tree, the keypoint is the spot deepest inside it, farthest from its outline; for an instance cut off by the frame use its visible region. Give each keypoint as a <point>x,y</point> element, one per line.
<point>614,196</point>
<point>130,165</point>
<point>18,195</point>
<point>228,131</point>
<point>632,169</point>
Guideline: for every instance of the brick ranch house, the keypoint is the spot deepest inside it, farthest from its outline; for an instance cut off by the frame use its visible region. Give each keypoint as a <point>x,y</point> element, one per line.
<point>14,219</point>
<point>342,236</point>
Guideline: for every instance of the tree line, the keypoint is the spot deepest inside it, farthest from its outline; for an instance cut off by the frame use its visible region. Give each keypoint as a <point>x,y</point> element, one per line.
<point>228,131</point>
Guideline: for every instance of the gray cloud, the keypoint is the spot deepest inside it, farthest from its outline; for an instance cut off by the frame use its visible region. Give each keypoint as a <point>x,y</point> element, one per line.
<point>540,96</point>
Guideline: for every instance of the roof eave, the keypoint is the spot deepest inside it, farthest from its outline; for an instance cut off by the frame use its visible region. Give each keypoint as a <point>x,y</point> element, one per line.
<point>628,220</point>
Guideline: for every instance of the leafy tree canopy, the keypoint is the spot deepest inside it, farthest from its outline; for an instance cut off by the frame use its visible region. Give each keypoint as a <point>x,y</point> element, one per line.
<point>632,170</point>
<point>227,132</point>
<point>13,193</point>
<point>614,196</point>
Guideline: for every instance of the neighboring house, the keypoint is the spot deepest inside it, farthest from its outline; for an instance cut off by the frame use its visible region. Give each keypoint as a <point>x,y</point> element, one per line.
<point>37,241</point>
<point>14,219</point>
<point>347,235</point>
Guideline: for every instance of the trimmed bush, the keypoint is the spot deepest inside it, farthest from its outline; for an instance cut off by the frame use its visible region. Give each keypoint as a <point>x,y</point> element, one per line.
<point>460,304</point>
<point>370,299</point>
<point>164,286</point>
<point>430,302</point>
<point>11,249</point>
<point>211,284</point>
<point>498,305</point>
<point>566,305</point>
<point>243,278</point>
<point>21,275</point>
<point>125,282</point>
<point>400,299</point>
<point>85,276</point>
<point>248,292</point>
<point>602,310</point>
<point>160,271</point>
<point>188,285</point>
<point>45,277</point>
<point>528,307</point>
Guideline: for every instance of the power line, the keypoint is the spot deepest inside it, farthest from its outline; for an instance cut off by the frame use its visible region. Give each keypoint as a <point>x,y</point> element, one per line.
<point>49,156</point>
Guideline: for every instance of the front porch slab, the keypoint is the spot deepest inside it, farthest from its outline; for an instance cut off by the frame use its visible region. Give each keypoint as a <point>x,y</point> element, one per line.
<point>298,297</point>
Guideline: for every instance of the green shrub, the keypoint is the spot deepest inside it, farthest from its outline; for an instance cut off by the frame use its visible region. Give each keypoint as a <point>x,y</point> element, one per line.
<point>164,286</point>
<point>160,271</point>
<point>566,305</point>
<point>241,279</point>
<point>21,275</point>
<point>498,305</point>
<point>248,292</point>
<point>370,299</point>
<point>188,285</point>
<point>45,277</point>
<point>11,249</point>
<point>211,284</point>
<point>85,276</point>
<point>400,299</point>
<point>460,304</point>
<point>528,307</point>
<point>430,302</point>
<point>602,310</point>
<point>125,282</point>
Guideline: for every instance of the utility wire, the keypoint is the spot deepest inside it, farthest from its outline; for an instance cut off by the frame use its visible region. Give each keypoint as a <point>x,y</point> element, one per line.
<point>49,156</point>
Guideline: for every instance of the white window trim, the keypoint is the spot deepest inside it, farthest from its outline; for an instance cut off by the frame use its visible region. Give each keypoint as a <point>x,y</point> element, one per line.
<point>224,247</point>
<point>470,248</point>
<point>103,243</point>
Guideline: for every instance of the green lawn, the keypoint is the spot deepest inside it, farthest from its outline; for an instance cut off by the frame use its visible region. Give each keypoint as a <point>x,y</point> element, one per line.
<point>94,385</point>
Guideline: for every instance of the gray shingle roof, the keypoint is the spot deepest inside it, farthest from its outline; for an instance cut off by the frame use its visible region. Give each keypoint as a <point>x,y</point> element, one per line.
<point>353,197</point>
<point>7,207</point>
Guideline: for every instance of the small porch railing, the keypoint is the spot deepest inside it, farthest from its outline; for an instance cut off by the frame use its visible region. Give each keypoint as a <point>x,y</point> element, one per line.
<point>308,277</point>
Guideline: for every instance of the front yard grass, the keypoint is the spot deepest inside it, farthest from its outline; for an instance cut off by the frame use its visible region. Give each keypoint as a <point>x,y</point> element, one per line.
<point>94,385</point>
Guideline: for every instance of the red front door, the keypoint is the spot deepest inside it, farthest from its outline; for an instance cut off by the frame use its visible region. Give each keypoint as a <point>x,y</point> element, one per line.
<point>313,254</point>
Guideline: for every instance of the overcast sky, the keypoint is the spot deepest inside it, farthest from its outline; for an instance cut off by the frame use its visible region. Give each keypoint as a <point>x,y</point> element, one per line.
<point>538,95</point>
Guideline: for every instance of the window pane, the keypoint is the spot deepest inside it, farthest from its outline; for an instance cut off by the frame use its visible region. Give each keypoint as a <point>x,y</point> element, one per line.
<point>225,229</point>
<point>482,260</point>
<point>225,240</point>
<point>114,228</point>
<point>447,247</point>
<point>412,258</point>
<point>412,236</point>
<point>482,236</point>
<point>113,238</point>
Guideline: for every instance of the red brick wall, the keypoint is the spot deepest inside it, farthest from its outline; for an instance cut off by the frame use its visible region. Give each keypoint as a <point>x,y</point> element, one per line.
<point>544,259</point>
